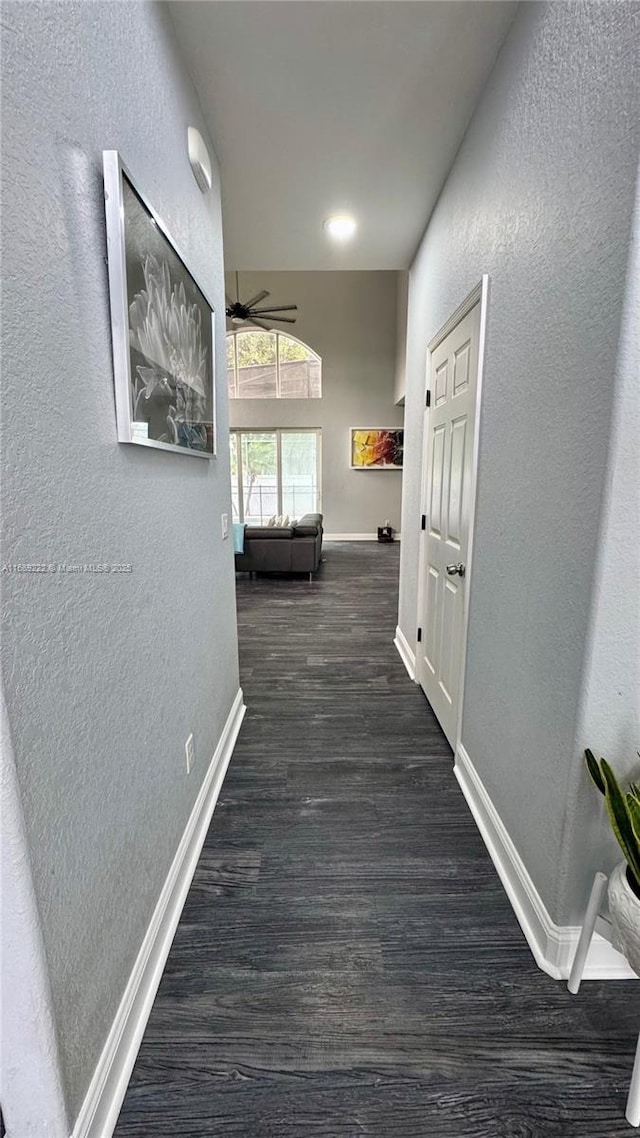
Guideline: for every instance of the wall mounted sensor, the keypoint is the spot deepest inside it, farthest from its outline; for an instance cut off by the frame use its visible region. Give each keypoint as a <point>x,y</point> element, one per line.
<point>199,159</point>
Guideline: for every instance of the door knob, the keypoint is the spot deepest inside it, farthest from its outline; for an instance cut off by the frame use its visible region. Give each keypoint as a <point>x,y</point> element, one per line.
<point>453,569</point>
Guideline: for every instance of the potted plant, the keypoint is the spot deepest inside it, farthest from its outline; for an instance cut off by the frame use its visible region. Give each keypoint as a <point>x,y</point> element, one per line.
<point>623,892</point>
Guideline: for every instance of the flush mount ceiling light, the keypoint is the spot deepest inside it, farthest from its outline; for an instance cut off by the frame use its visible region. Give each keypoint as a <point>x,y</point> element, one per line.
<point>340,227</point>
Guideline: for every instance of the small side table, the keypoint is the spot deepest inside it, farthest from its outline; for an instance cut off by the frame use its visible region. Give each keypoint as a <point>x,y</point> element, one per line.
<point>632,1112</point>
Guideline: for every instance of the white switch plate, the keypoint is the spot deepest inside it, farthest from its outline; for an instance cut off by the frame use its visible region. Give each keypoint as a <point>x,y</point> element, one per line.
<point>225,526</point>
<point>190,753</point>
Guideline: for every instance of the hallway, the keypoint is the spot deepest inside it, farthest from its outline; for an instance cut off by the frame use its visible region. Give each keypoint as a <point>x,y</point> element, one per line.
<point>347,962</point>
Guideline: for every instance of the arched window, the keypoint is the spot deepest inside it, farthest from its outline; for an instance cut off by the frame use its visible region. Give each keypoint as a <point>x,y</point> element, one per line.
<point>271,365</point>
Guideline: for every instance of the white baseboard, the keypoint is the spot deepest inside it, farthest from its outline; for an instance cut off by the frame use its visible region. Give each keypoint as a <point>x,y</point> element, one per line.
<point>406,653</point>
<point>108,1086</point>
<point>357,537</point>
<point>553,946</point>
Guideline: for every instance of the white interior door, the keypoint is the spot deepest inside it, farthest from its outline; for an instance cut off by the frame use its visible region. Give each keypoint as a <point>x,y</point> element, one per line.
<point>448,477</point>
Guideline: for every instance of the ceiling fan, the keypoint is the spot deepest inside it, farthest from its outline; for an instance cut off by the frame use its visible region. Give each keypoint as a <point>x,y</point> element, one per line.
<point>245,312</point>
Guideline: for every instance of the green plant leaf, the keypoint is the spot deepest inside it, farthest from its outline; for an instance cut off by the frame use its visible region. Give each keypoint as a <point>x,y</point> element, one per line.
<point>633,807</point>
<point>620,821</point>
<point>594,771</point>
<point>634,791</point>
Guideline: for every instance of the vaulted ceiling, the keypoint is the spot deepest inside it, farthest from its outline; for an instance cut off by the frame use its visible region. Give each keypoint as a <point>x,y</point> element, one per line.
<point>325,106</point>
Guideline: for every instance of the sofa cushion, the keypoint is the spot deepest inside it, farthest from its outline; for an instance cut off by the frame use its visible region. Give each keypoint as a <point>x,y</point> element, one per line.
<point>253,533</point>
<point>308,526</point>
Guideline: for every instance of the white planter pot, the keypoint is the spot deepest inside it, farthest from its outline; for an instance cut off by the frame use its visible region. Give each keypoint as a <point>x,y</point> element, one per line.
<point>624,910</point>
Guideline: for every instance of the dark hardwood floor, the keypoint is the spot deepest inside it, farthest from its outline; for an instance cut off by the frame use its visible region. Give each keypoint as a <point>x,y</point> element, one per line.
<point>347,963</point>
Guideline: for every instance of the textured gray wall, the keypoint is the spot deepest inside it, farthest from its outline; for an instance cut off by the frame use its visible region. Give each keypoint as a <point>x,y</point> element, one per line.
<point>349,318</point>
<point>540,197</point>
<point>610,718</point>
<point>105,675</point>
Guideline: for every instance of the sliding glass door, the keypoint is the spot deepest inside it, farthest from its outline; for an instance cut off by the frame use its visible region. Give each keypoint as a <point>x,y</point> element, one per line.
<point>300,472</point>
<point>274,473</point>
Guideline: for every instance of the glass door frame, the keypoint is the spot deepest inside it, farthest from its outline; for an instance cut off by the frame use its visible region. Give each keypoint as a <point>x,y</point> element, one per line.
<point>278,432</point>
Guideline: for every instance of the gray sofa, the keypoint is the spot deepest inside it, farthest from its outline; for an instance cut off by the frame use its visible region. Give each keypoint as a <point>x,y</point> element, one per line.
<point>282,549</point>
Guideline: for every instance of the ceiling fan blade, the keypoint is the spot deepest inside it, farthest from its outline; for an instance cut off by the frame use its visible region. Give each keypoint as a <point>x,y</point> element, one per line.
<point>284,319</point>
<point>258,324</point>
<point>228,299</point>
<point>255,299</point>
<point>237,287</point>
<point>275,308</point>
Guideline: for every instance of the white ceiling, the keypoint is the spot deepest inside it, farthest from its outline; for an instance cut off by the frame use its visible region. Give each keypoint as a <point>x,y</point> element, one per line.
<point>324,106</point>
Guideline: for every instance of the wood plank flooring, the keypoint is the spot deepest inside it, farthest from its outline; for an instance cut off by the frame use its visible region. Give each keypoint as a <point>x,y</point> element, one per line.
<point>347,963</point>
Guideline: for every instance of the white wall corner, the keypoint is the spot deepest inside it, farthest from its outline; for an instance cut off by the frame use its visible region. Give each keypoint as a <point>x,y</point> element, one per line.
<point>553,946</point>
<point>402,310</point>
<point>100,1109</point>
<point>406,653</point>
<point>31,1088</point>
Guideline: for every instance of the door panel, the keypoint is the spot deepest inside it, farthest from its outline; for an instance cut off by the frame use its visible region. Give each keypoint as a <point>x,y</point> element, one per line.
<point>448,472</point>
<point>450,605</point>
<point>461,368</point>
<point>431,629</point>
<point>456,481</point>
<point>440,393</point>
<point>437,480</point>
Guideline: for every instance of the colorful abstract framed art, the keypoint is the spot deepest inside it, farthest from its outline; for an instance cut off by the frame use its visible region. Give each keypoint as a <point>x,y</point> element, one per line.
<point>376,448</point>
